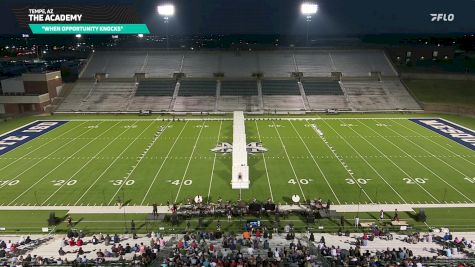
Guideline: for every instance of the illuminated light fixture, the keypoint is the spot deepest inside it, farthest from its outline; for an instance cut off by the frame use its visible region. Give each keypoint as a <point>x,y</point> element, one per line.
<point>166,10</point>
<point>140,35</point>
<point>78,35</point>
<point>115,36</point>
<point>309,9</point>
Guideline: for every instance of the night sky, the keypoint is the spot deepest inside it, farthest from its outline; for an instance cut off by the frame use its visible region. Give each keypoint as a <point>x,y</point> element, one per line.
<point>334,18</point>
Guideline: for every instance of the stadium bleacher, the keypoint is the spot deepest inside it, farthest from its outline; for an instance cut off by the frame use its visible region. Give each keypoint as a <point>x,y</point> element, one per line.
<point>369,81</point>
<point>163,87</point>
<point>197,88</point>
<point>321,87</point>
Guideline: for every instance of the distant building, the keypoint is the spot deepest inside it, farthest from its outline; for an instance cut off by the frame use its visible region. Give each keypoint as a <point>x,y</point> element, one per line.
<point>31,92</point>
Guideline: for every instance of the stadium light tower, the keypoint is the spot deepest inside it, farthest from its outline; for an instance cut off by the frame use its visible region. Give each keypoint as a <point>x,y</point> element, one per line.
<point>308,9</point>
<point>166,11</point>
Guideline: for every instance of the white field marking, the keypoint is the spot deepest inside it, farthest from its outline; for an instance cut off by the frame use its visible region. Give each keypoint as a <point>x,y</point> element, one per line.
<point>134,167</point>
<point>214,162</point>
<point>87,163</point>
<point>427,138</point>
<point>367,163</point>
<point>316,164</point>
<point>163,163</point>
<point>290,162</point>
<point>265,165</point>
<point>397,166</point>
<point>345,166</point>
<point>61,164</point>
<point>44,144</point>
<point>260,118</point>
<point>188,164</point>
<point>47,156</point>
<point>425,167</point>
<point>111,164</point>
<point>428,152</point>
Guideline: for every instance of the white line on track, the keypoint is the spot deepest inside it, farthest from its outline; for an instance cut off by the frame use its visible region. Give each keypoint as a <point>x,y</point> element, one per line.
<point>111,164</point>
<point>134,167</point>
<point>290,162</point>
<point>397,166</point>
<point>367,163</point>
<point>42,145</point>
<point>60,164</point>
<point>214,162</point>
<point>436,143</point>
<point>345,166</point>
<point>265,164</point>
<point>189,161</point>
<point>87,163</point>
<point>163,163</point>
<point>316,164</point>
<point>424,166</point>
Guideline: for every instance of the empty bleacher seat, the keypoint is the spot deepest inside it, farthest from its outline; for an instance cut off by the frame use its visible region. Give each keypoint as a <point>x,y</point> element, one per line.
<point>197,88</point>
<point>322,87</point>
<point>280,87</point>
<point>239,88</point>
<point>164,87</point>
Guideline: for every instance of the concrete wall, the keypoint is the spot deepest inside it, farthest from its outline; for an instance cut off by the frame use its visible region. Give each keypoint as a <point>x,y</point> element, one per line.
<point>13,85</point>
<point>2,109</point>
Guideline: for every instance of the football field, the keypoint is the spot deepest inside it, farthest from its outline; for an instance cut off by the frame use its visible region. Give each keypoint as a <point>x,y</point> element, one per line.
<point>138,161</point>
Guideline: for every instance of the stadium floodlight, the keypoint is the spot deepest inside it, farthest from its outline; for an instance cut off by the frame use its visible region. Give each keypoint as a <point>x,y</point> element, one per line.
<point>166,11</point>
<point>308,9</point>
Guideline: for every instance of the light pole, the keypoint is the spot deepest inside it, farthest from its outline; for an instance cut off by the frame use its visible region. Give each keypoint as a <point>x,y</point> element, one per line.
<point>308,9</point>
<point>166,11</point>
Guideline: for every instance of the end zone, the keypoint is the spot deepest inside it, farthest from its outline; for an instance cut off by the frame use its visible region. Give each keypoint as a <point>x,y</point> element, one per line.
<point>457,133</point>
<point>20,136</point>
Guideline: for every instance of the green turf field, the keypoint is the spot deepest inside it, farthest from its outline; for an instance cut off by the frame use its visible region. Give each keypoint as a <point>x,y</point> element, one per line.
<point>363,160</point>
<point>98,162</point>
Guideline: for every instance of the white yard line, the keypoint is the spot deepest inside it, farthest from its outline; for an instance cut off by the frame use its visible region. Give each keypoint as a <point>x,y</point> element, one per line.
<point>424,166</point>
<point>428,152</point>
<point>47,156</point>
<point>316,164</point>
<point>436,143</point>
<point>42,145</point>
<point>290,162</point>
<point>134,168</point>
<point>214,162</point>
<point>112,163</point>
<point>345,166</point>
<point>397,166</point>
<point>367,163</point>
<point>60,164</point>
<point>189,161</point>
<point>265,164</point>
<point>87,163</point>
<point>163,163</point>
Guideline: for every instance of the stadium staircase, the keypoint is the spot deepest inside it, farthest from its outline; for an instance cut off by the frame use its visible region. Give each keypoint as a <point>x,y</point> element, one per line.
<point>304,96</point>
